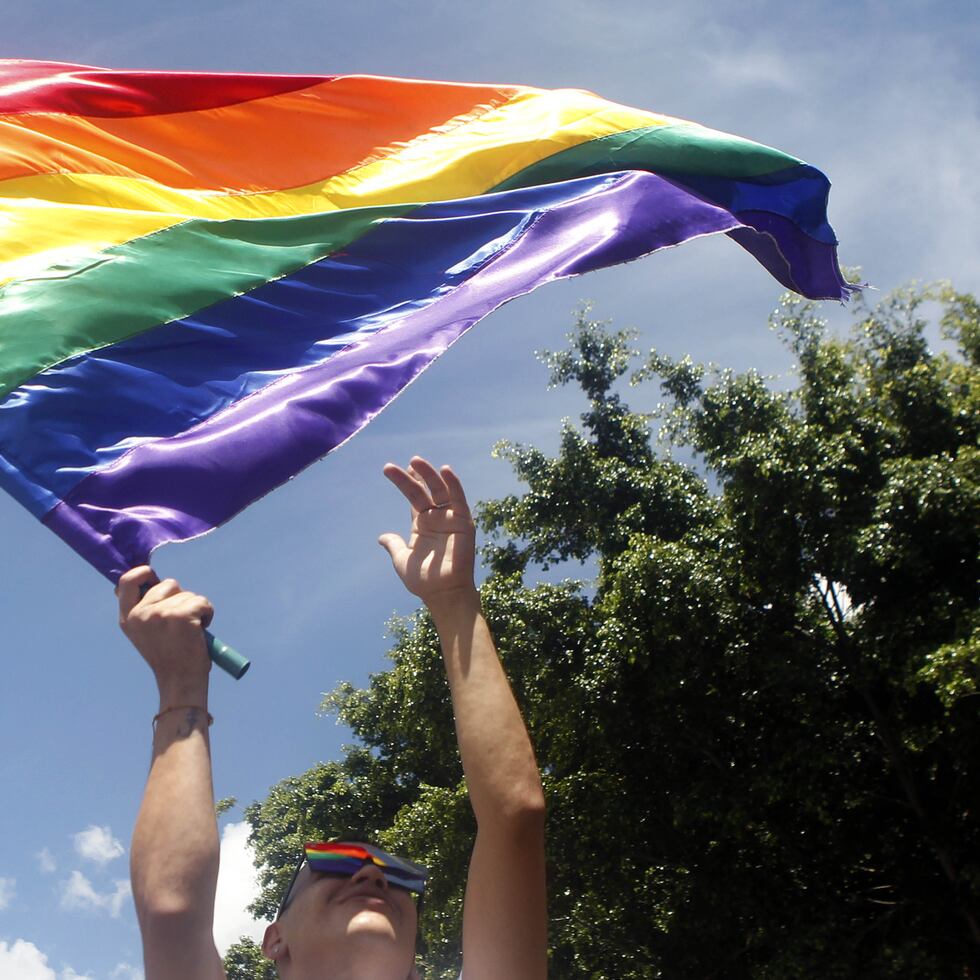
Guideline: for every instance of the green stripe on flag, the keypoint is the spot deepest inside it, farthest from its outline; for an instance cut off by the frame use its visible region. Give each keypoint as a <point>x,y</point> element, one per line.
<point>678,149</point>
<point>131,288</point>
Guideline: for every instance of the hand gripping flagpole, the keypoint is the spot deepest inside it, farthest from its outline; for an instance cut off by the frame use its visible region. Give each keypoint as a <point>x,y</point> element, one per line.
<point>222,655</point>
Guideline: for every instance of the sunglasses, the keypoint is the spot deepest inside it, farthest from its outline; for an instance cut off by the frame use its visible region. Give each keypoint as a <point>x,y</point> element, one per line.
<point>348,857</point>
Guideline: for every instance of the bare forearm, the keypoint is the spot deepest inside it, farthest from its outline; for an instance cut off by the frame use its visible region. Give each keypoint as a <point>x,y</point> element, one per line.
<point>175,842</point>
<point>174,855</point>
<point>505,932</point>
<point>501,771</point>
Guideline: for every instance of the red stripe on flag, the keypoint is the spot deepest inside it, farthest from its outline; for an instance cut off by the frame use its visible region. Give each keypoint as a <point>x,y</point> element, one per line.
<point>45,86</point>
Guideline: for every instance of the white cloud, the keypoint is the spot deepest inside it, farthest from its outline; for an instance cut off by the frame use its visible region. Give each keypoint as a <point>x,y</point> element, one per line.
<point>238,886</point>
<point>126,971</point>
<point>24,961</point>
<point>78,894</point>
<point>116,899</point>
<point>46,861</point>
<point>97,844</point>
<point>7,891</point>
<point>757,67</point>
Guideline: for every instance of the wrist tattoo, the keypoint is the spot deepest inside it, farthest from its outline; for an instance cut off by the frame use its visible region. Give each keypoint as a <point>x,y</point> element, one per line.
<point>189,723</point>
<point>194,715</point>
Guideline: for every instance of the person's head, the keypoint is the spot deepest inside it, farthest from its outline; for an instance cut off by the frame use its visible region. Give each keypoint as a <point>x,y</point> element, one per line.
<point>350,911</point>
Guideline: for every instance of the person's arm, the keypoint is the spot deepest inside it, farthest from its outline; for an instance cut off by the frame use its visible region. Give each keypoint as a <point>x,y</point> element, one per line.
<point>505,925</point>
<point>174,855</point>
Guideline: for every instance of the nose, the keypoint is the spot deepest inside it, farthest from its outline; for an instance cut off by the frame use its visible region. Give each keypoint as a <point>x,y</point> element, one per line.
<point>370,872</point>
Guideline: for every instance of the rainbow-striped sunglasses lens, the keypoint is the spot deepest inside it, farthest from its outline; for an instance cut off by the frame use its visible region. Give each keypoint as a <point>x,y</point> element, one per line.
<point>343,858</point>
<point>348,857</point>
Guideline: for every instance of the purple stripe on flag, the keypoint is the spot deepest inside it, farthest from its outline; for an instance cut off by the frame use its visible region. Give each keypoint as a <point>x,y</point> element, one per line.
<point>176,488</point>
<point>789,255</point>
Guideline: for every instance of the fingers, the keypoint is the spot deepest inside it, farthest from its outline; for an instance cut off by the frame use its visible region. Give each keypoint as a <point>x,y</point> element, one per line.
<point>162,590</point>
<point>457,496</point>
<point>413,491</point>
<point>433,480</point>
<point>426,487</point>
<point>141,585</point>
<point>194,608</point>
<point>130,587</point>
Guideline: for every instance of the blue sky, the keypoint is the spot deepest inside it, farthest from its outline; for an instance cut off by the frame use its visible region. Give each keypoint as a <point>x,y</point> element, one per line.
<point>883,96</point>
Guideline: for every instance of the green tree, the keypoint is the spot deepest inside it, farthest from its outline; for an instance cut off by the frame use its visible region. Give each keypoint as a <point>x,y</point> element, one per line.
<point>244,961</point>
<point>758,724</point>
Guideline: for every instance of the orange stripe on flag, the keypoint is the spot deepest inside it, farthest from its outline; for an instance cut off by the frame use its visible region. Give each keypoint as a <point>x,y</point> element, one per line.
<point>284,141</point>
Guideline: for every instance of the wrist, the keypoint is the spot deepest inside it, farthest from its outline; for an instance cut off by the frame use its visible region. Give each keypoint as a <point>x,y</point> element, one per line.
<point>454,605</point>
<point>183,690</point>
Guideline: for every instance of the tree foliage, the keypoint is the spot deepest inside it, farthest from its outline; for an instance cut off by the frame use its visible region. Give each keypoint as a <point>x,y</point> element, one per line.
<point>244,961</point>
<point>758,724</point>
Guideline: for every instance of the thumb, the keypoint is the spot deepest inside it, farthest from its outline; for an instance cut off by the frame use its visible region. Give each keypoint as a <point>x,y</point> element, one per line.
<point>131,587</point>
<point>392,543</point>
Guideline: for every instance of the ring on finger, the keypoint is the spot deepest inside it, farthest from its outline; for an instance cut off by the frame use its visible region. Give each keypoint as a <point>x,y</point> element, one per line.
<point>435,506</point>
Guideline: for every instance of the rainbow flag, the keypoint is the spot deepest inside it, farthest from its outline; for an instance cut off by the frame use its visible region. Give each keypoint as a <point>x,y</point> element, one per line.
<point>209,281</point>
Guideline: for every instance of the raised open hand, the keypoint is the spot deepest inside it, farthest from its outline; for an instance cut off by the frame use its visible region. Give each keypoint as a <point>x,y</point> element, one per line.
<point>437,561</point>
